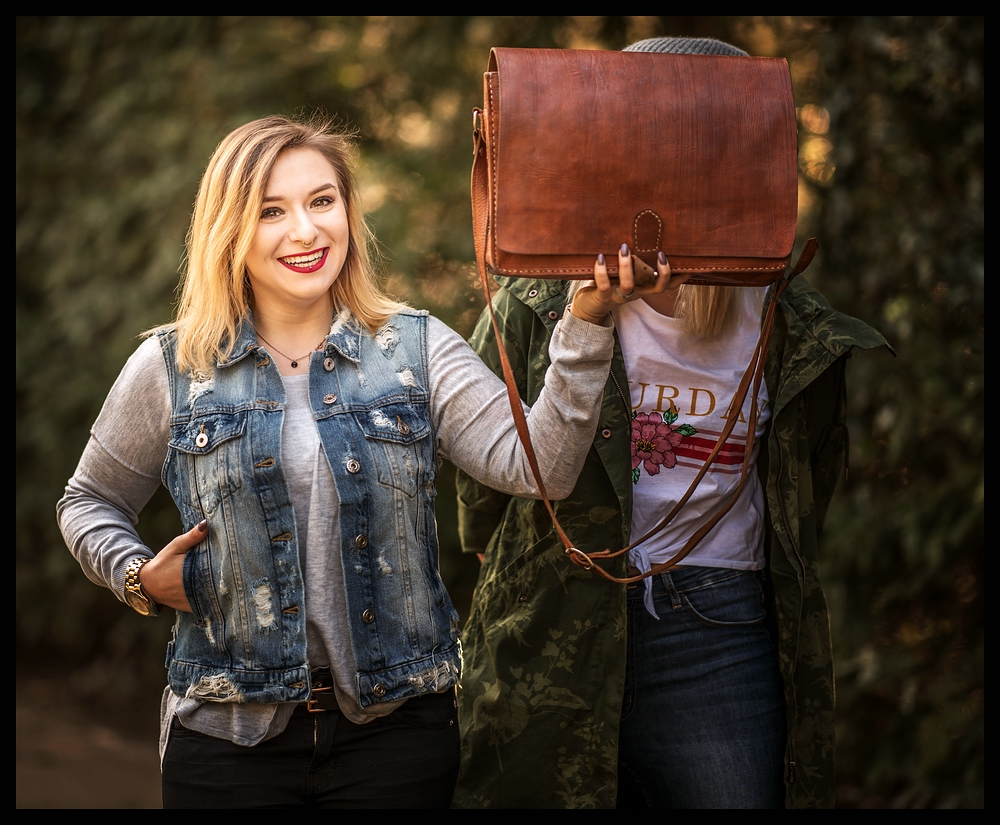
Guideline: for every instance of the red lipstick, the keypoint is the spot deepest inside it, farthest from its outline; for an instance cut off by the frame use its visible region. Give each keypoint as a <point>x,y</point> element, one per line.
<point>307,262</point>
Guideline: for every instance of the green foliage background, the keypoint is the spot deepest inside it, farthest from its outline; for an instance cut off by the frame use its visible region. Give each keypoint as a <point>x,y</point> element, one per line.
<point>115,119</point>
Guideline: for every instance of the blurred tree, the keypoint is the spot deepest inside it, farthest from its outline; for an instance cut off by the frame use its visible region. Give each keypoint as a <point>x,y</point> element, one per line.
<point>900,207</point>
<point>115,119</point>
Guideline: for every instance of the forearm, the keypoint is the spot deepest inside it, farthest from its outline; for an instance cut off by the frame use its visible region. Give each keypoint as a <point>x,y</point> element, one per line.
<point>475,425</point>
<point>119,471</point>
<point>98,512</point>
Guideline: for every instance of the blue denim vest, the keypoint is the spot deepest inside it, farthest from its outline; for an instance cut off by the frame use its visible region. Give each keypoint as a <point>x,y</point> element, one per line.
<point>245,640</point>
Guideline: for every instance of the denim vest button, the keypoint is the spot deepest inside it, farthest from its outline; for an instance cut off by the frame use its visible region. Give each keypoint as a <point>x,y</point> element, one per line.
<point>368,616</point>
<point>201,440</point>
<point>353,465</point>
<point>379,690</point>
<point>361,542</point>
<point>329,364</point>
<point>329,398</point>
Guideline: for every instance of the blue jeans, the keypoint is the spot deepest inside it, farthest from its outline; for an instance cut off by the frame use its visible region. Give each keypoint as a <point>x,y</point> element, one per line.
<point>703,716</point>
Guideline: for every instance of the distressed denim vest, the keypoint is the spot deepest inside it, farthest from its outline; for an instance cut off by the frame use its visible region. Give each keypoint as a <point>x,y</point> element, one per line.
<point>245,640</point>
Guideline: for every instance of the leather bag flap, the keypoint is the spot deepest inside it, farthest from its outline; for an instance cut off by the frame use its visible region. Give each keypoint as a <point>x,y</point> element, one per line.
<point>692,154</point>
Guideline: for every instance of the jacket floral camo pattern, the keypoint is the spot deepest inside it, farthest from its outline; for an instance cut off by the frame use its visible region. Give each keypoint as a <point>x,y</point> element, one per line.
<point>545,640</point>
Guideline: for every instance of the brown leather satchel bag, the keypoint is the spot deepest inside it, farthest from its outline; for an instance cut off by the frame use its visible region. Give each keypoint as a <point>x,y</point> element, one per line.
<point>578,150</point>
<point>695,155</point>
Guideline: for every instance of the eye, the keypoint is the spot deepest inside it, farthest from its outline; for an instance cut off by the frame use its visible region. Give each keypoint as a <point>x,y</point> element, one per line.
<point>323,201</point>
<point>269,213</point>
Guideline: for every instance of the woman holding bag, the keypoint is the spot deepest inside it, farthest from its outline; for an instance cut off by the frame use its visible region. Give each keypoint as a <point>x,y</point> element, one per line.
<point>709,685</point>
<point>297,415</point>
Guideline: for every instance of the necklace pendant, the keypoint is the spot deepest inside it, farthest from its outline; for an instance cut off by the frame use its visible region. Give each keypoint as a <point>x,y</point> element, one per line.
<point>294,364</point>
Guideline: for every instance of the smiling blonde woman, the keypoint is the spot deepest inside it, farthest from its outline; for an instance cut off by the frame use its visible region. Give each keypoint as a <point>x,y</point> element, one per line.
<point>297,416</point>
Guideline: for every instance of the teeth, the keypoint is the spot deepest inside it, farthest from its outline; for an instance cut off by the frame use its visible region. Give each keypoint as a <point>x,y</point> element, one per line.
<point>303,260</point>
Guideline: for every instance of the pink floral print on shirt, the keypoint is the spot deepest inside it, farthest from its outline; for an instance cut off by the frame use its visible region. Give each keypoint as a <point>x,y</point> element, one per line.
<point>653,441</point>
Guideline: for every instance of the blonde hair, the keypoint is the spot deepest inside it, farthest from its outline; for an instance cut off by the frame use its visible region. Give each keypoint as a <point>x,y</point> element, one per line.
<point>215,293</point>
<point>715,311</point>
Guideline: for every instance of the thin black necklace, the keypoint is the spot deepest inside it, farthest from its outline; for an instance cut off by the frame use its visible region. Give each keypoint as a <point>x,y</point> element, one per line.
<point>294,361</point>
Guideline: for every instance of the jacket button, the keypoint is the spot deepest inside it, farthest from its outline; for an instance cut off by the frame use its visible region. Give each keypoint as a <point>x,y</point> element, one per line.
<point>353,465</point>
<point>606,433</point>
<point>379,690</point>
<point>201,440</point>
<point>329,364</point>
<point>329,398</point>
<point>368,616</point>
<point>361,541</point>
<point>553,315</point>
<point>533,293</point>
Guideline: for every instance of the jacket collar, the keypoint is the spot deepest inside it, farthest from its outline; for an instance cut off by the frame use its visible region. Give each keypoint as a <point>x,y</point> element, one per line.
<point>246,342</point>
<point>344,337</point>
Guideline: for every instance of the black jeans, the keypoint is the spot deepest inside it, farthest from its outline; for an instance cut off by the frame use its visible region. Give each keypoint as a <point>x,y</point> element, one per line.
<point>408,759</point>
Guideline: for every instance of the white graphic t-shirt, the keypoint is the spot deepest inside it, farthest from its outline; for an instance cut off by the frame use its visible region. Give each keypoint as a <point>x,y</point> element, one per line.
<point>680,392</point>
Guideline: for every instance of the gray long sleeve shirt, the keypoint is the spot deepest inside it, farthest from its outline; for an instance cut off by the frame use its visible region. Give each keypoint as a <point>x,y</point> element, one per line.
<point>120,470</point>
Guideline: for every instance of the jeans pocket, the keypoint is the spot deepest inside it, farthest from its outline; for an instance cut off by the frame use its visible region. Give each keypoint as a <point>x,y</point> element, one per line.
<point>719,596</point>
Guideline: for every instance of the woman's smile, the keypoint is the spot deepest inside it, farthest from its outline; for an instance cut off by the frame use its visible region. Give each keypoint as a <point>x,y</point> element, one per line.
<point>309,262</point>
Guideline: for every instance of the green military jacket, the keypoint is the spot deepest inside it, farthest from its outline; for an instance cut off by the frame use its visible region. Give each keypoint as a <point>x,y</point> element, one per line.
<point>544,661</point>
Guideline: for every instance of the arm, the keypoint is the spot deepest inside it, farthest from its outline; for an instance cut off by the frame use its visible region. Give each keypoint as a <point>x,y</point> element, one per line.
<point>117,475</point>
<point>471,408</point>
<point>473,421</point>
<point>568,386</point>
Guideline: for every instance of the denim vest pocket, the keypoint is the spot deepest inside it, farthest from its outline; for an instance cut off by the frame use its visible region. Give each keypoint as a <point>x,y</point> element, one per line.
<point>212,444</point>
<point>206,613</point>
<point>393,432</point>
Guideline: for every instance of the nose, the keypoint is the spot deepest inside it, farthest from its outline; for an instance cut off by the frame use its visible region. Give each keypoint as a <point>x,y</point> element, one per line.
<point>303,230</point>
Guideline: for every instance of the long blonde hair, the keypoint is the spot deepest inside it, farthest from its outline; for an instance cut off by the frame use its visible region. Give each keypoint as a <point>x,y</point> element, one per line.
<point>215,293</point>
<point>710,311</point>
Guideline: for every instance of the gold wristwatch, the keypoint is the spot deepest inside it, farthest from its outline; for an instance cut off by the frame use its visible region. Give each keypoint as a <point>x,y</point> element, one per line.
<point>135,596</point>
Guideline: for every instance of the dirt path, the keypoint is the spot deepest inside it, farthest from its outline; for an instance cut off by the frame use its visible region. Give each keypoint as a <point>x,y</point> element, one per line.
<point>66,759</point>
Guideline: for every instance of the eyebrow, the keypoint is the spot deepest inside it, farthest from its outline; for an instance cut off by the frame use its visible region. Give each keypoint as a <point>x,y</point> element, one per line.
<point>316,191</point>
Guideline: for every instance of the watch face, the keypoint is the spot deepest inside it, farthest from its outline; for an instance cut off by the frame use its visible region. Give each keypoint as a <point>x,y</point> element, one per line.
<point>134,596</point>
<point>138,602</point>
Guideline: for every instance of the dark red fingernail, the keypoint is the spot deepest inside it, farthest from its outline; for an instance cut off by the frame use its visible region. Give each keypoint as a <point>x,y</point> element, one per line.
<point>624,250</point>
<point>600,259</point>
<point>202,525</point>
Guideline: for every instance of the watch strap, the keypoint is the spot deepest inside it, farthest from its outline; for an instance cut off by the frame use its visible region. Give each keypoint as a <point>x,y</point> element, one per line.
<point>135,596</point>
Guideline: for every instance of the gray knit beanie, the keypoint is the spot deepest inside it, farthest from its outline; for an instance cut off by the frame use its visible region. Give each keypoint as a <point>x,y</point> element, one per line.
<point>685,45</point>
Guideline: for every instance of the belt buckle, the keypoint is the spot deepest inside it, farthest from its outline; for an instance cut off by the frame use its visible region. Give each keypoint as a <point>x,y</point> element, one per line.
<point>312,703</point>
